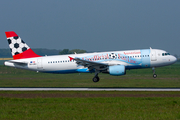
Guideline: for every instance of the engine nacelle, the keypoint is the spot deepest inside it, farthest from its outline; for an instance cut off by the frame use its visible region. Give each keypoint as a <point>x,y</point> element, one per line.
<point>117,70</point>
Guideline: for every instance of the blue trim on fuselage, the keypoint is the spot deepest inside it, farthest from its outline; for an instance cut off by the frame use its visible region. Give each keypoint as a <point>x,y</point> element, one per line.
<point>62,71</point>
<point>145,60</point>
<point>83,70</point>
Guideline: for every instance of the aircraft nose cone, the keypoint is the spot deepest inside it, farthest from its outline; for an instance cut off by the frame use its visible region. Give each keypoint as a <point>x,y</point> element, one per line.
<point>173,59</point>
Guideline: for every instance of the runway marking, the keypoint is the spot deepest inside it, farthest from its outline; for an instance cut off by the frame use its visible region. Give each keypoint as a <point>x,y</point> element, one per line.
<point>89,89</point>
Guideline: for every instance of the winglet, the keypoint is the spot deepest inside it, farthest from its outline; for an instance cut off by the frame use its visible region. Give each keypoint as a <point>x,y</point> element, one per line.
<point>70,58</point>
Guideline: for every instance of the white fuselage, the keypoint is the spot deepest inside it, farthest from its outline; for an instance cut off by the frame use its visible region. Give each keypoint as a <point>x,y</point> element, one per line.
<point>131,59</point>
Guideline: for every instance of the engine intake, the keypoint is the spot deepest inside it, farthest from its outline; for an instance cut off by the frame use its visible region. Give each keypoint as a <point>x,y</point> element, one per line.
<point>117,70</point>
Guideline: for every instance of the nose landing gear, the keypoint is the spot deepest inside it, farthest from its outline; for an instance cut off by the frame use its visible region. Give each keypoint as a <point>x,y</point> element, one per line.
<point>154,75</point>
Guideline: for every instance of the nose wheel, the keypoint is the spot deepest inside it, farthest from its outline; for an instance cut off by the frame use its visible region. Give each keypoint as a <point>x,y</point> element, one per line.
<point>154,75</point>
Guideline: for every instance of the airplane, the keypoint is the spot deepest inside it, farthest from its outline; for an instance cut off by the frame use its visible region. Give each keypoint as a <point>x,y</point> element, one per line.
<point>113,62</point>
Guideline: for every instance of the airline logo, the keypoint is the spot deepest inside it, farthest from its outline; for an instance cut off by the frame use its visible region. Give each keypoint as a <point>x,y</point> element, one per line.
<point>19,49</point>
<point>17,45</point>
<point>128,53</point>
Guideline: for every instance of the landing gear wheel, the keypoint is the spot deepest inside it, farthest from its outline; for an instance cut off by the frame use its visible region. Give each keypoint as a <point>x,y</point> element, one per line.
<point>154,75</point>
<point>96,79</point>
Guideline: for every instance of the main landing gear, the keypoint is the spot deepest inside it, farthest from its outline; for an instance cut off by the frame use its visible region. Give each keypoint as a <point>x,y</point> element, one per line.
<point>96,78</point>
<point>154,75</point>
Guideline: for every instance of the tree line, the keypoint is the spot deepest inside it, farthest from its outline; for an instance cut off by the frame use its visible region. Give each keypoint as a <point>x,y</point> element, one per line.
<point>74,51</point>
<point>6,53</point>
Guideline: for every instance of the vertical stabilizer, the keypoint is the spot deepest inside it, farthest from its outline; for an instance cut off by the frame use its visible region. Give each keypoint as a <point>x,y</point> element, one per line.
<point>19,49</point>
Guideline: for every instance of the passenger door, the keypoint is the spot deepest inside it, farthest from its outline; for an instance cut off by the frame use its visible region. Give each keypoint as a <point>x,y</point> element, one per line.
<point>39,64</point>
<point>153,55</point>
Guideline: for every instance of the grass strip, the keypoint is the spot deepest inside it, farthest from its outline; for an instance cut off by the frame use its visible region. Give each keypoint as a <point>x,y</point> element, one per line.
<point>88,107</point>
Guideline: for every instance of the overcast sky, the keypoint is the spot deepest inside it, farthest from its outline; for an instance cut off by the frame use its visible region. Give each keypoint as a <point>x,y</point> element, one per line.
<point>94,25</point>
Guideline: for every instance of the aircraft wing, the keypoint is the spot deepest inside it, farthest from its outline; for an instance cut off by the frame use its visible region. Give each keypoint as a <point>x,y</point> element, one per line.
<point>90,64</point>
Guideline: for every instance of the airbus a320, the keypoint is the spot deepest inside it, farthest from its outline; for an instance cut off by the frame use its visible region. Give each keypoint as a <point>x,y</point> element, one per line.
<point>113,62</point>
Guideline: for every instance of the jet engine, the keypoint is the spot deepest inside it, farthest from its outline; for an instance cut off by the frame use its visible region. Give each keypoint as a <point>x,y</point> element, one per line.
<point>117,70</point>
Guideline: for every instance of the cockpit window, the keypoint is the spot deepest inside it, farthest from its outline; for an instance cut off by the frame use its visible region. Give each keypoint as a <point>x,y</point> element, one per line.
<point>164,54</point>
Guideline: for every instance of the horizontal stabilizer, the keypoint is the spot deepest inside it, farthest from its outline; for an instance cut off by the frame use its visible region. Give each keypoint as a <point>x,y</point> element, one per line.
<point>17,62</point>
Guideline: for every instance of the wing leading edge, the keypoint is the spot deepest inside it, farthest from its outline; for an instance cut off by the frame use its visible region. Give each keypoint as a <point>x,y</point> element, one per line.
<point>91,65</point>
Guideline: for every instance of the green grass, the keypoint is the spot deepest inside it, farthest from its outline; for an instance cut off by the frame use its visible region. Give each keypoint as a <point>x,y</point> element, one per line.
<point>167,77</point>
<point>90,105</point>
<point>90,108</point>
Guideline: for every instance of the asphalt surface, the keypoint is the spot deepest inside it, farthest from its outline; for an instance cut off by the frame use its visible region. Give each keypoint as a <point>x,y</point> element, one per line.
<point>89,89</point>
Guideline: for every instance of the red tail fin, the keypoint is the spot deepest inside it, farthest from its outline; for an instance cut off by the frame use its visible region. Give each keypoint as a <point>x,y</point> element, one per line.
<point>18,47</point>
